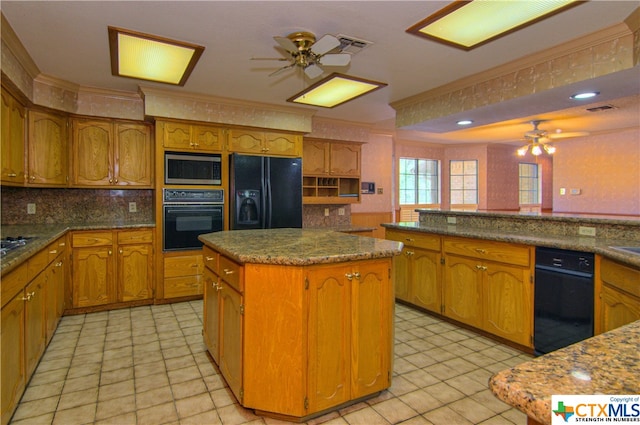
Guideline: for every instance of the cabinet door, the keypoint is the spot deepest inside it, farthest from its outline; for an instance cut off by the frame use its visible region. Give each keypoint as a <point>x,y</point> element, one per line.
<point>426,279</point>
<point>463,290</point>
<point>245,141</point>
<point>315,157</point>
<point>207,138</point>
<point>47,149</point>
<point>371,321</point>
<point>329,341</point>
<point>231,338</point>
<point>55,295</point>
<point>13,126</point>
<point>617,308</point>
<point>402,270</point>
<point>211,331</point>
<point>92,282</point>
<point>177,135</point>
<point>12,364</point>
<point>345,159</point>
<point>35,326</point>
<point>508,302</point>
<point>92,149</point>
<point>281,144</point>
<point>135,272</point>
<point>132,155</point>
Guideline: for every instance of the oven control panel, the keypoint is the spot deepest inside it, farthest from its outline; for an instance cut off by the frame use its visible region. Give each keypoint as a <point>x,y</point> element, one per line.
<point>213,196</point>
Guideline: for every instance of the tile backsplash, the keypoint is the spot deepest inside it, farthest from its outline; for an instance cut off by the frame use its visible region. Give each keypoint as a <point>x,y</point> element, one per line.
<point>74,205</point>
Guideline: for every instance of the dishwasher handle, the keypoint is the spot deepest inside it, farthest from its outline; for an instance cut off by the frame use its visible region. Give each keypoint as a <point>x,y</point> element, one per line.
<point>564,271</point>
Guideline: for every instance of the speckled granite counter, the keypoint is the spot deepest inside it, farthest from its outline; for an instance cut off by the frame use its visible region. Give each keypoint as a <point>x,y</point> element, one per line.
<point>44,234</point>
<point>298,246</point>
<point>605,364</point>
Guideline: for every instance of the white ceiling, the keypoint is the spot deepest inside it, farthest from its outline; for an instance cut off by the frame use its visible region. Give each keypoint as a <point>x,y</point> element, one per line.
<point>68,40</point>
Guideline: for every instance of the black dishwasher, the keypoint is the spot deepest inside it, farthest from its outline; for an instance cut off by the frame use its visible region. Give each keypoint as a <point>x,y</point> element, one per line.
<point>563,298</point>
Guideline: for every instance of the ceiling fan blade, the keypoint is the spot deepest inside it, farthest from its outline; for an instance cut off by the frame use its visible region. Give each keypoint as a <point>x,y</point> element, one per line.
<point>286,44</point>
<point>313,71</point>
<point>269,59</point>
<point>336,59</point>
<point>278,71</point>
<point>567,135</point>
<point>325,44</point>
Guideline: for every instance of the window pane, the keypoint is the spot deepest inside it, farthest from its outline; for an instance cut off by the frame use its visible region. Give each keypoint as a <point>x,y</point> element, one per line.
<point>418,180</point>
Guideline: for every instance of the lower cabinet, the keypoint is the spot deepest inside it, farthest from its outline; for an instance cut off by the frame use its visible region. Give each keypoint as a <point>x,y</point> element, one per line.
<point>183,275</point>
<point>317,336</point>
<point>619,298</point>
<point>14,376</point>
<point>111,266</point>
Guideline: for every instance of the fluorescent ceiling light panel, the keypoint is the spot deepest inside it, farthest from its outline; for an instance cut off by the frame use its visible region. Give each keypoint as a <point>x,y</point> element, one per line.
<point>148,57</point>
<point>334,90</point>
<point>469,24</point>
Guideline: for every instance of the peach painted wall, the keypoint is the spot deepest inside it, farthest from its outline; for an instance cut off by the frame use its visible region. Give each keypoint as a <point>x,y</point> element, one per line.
<point>502,178</point>
<point>606,170</point>
<point>377,167</point>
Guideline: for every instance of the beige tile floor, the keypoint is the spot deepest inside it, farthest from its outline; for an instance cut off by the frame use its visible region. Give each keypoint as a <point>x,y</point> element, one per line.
<point>148,365</point>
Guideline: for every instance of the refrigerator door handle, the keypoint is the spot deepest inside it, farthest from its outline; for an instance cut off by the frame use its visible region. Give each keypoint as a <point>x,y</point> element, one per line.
<point>263,195</point>
<point>268,206</point>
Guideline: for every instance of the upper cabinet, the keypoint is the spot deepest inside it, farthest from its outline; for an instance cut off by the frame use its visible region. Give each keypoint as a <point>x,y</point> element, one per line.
<point>331,171</point>
<point>47,152</point>
<point>185,136</point>
<point>264,143</point>
<point>13,131</point>
<point>111,153</point>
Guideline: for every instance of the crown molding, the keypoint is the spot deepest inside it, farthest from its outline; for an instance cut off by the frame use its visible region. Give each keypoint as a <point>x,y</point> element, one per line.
<point>13,43</point>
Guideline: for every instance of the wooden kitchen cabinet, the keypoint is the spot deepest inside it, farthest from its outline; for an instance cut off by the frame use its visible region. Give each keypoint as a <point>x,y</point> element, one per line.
<point>185,136</point>
<point>619,298</point>
<point>418,269</point>
<point>488,285</point>
<point>109,153</point>
<point>264,143</point>
<point>12,364</point>
<point>111,267</point>
<point>35,322</point>
<point>47,149</point>
<point>324,330</point>
<point>13,140</point>
<point>183,275</point>
<point>56,280</point>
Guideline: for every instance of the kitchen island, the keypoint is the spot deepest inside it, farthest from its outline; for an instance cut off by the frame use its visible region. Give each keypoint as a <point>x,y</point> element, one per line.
<point>299,321</point>
<point>605,364</point>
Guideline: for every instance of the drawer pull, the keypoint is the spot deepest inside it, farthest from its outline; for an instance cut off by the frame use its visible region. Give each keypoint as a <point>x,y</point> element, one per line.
<point>12,175</point>
<point>481,251</point>
<point>227,271</point>
<point>55,251</point>
<point>209,258</point>
<point>409,239</point>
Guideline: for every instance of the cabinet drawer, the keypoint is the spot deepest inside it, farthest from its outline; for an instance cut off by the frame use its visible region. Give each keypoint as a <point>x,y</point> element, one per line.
<point>489,250</point>
<point>210,258</point>
<point>13,283</point>
<point>231,273</point>
<point>135,236</point>
<point>91,239</point>
<point>54,249</point>
<point>420,240</point>
<point>37,263</point>
<point>620,276</point>
<point>184,286</point>
<point>188,265</point>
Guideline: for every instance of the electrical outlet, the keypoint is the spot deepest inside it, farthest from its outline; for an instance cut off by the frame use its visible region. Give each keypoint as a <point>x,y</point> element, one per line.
<point>326,212</point>
<point>31,208</point>
<point>586,231</point>
<point>563,191</point>
<point>451,220</point>
<point>340,211</point>
<point>133,207</point>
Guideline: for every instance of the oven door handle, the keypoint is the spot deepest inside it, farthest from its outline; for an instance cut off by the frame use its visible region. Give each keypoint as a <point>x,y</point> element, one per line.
<point>199,210</point>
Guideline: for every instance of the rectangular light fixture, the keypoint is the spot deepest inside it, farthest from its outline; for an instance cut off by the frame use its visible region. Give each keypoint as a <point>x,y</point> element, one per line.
<point>467,24</point>
<point>153,58</point>
<point>335,90</point>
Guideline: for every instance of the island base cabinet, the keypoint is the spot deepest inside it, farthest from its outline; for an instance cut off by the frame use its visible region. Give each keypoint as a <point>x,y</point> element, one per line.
<point>619,300</point>
<point>311,338</point>
<point>211,331</point>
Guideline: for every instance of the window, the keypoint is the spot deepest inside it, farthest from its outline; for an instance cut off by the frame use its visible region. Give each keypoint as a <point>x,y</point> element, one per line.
<point>463,182</point>
<point>529,183</point>
<point>419,181</point>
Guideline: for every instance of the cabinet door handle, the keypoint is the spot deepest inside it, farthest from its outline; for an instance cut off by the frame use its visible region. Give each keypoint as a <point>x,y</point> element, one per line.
<point>227,271</point>
<point>481,251</point>
<point>218,287</point>
<point>120,251</point>
<point>479,267</point>
<point>356,275</point>
<point>110,252</point>
<point>349,276</point>
<point>29,296</point>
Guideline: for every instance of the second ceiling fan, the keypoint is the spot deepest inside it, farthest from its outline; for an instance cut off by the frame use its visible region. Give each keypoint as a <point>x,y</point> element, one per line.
<point>304,51</point>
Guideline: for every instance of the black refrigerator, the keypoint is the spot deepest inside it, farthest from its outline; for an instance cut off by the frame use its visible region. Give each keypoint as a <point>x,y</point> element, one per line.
<point>265,192</point>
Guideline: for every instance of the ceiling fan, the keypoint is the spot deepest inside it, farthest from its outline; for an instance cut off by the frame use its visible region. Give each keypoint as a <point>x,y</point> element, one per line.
<point>302,50</point>
<point>540,139</point>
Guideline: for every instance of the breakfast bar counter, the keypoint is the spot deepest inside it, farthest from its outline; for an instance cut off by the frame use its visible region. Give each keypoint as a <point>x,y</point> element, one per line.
<point>299,321</point>
<point>605,364</point>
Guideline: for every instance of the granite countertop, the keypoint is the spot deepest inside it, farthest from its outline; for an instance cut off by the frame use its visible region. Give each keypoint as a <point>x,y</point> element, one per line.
<point>298,247</point>
<point>602,246</point>
<point>44,234</point>
<point>605,364</point>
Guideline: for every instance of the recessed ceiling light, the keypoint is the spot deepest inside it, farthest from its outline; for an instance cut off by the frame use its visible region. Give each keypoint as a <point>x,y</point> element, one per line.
<point>585,95</point>
<point>465,122</point>
<point>153,58</point>
<point>468,24</point>
<point>335,90</point>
